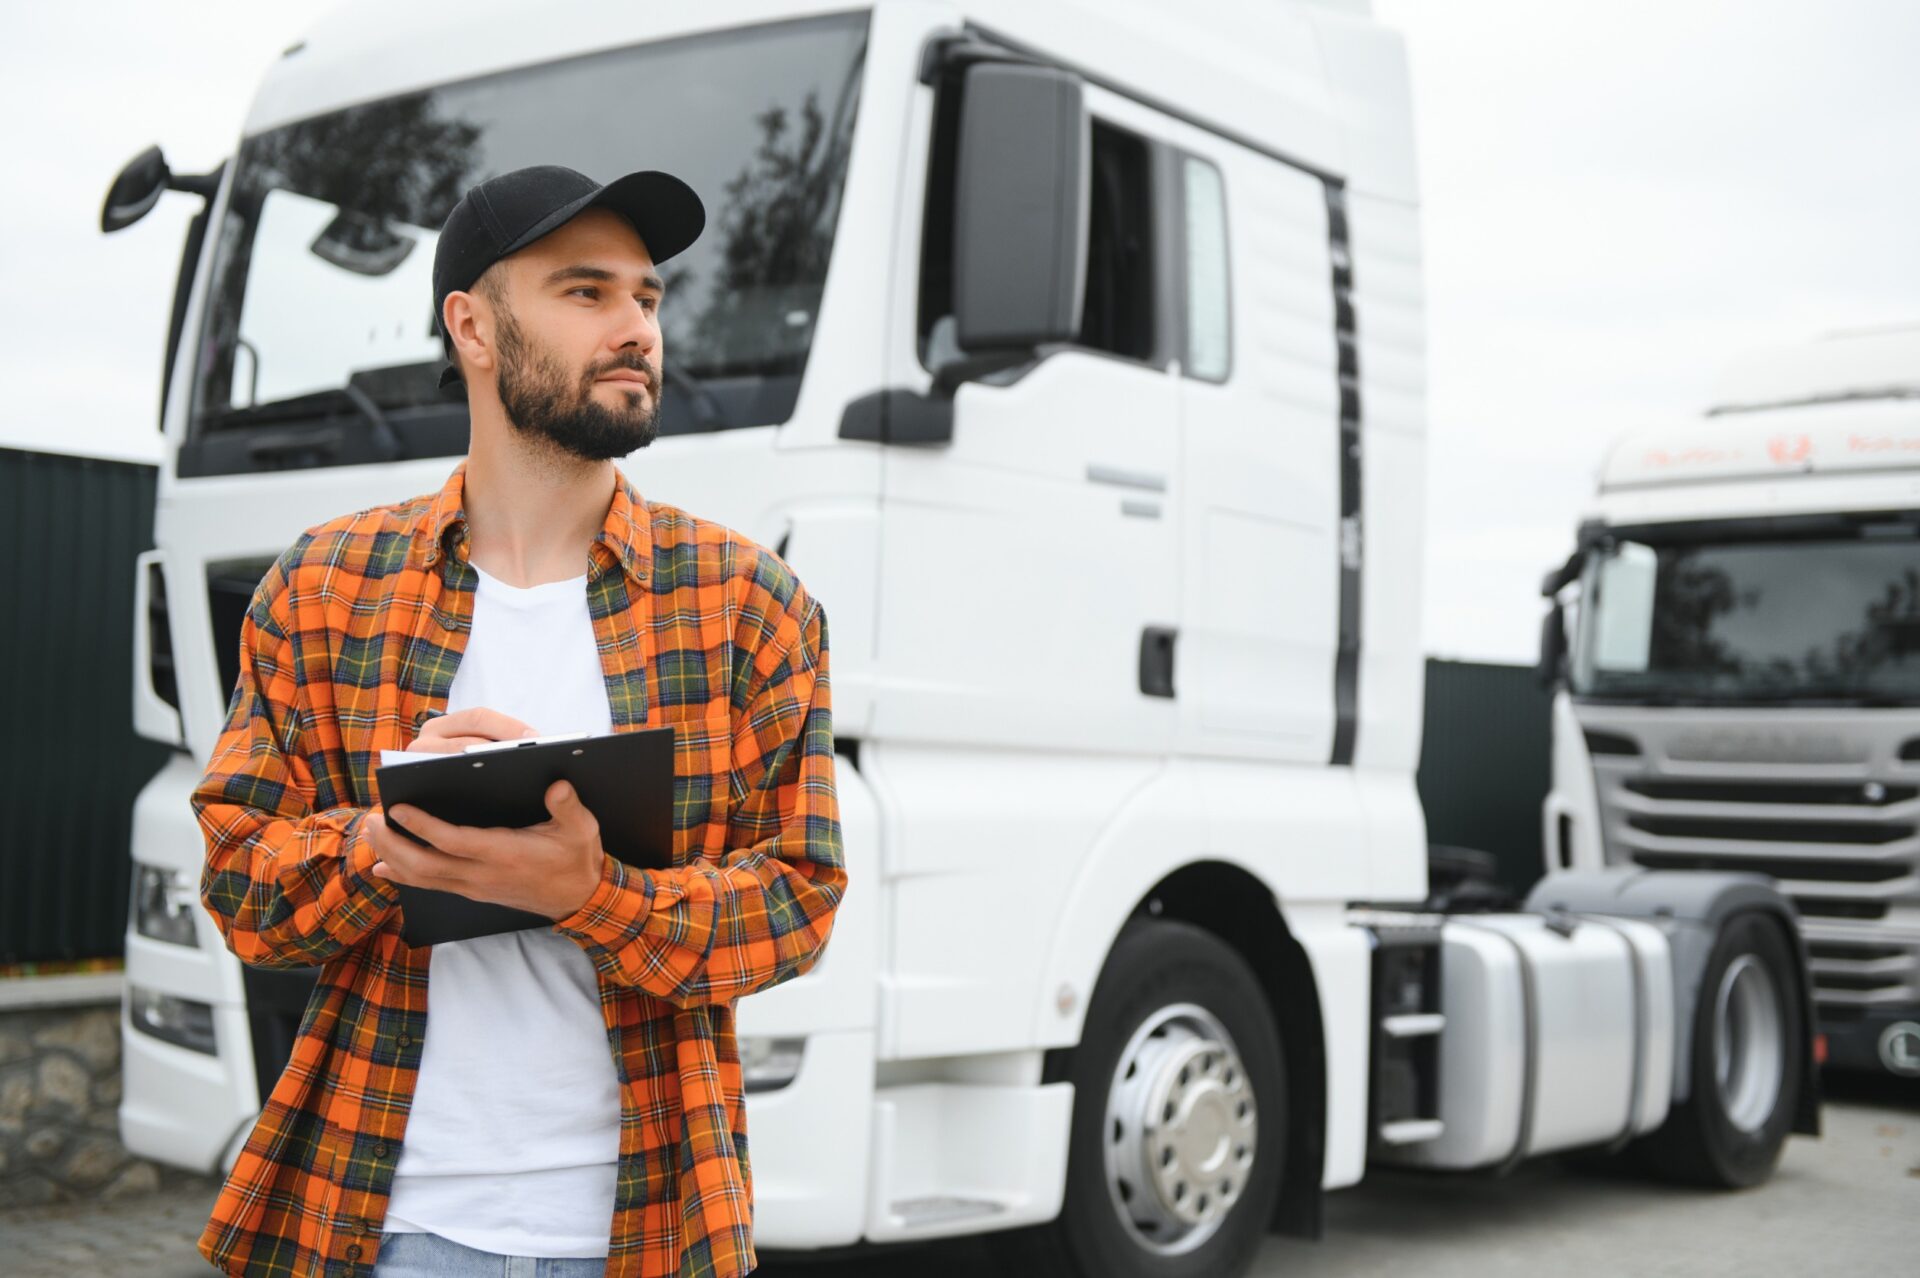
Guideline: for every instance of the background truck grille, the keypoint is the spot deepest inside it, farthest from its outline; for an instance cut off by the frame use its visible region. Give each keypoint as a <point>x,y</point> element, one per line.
<point>1827,806</point>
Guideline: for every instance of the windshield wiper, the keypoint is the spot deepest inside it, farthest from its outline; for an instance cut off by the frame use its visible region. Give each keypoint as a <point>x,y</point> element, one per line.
<point>707,413</point>
<point>386,440</point>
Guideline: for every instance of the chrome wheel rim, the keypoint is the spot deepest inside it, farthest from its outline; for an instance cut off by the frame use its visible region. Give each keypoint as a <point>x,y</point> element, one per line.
<point>1749,1042</point>
<point>1181,1130</point>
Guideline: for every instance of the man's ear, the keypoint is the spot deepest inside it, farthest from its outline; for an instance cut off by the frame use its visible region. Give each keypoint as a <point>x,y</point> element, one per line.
<point>468,322</point>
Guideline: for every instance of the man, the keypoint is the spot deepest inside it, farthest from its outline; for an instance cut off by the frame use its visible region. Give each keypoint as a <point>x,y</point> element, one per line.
<point>575,1094</point>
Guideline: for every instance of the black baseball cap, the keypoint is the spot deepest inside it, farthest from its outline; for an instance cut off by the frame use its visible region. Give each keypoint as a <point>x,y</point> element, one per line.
<point>504,214</point>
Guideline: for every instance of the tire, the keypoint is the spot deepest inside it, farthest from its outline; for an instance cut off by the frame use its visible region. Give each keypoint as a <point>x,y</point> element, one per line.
<point>1749,1031</point>
<point>1179,1023</point>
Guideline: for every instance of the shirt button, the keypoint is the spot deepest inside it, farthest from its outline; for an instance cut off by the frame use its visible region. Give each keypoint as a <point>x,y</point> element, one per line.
<point>405,1040</point>
<point>381,1150</point>
<point>353,1252</point>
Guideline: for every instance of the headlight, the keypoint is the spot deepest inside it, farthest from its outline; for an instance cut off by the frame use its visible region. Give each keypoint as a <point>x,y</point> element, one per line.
<point>162,908</point>
<point>180,1021</point>
<point>768,1064</point>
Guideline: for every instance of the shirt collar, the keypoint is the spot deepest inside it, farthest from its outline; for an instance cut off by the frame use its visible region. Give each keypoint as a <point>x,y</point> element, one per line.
<point>625,537</point>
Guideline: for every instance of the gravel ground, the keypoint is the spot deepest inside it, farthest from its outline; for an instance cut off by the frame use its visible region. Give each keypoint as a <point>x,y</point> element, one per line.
<point>1847,1203</point>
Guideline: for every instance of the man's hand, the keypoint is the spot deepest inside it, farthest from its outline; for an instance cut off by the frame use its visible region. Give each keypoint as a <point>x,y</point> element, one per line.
<point>550,868</point>
<point>452,733</point>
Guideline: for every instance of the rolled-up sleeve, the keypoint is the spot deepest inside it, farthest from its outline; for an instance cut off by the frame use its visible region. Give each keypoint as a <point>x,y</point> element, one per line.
<point>714,932</point>
<point>287,885</point>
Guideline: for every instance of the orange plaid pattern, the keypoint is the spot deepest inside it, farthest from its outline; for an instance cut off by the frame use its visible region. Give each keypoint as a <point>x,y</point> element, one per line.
<point>351,639</point>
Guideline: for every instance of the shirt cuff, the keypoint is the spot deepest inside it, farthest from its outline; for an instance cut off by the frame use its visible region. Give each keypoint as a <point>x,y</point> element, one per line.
<point>358,866</point>
<point>614,912</point>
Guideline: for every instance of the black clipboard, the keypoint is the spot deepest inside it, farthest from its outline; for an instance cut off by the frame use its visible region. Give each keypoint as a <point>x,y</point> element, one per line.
<point>624,778</point>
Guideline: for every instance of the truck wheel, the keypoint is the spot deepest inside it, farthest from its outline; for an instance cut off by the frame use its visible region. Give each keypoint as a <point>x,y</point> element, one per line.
<point>1179,1118</point>
<point>1748,1051</point>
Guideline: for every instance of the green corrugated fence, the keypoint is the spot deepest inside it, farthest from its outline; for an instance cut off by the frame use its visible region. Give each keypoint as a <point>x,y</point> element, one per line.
<point>1486,763</point>
<point>70,764</point>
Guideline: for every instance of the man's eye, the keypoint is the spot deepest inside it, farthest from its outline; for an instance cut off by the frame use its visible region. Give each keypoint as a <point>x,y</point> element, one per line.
<point>650,303</point>
<point>585,290</point>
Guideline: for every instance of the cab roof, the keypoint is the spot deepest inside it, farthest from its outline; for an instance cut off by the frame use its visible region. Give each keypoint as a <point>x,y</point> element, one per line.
<point>1318,81</point>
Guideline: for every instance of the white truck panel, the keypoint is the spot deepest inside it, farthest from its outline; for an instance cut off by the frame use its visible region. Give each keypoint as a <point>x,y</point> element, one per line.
<point>810,1192</point>
<point>953,1158</point>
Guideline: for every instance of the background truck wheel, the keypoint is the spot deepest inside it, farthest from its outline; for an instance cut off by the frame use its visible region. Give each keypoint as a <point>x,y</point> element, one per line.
<point>1748,1028</point>
<point>1179,1118</point>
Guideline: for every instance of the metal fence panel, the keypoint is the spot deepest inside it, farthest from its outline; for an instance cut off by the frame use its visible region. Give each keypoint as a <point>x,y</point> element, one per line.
<point>70,764</point>
<point>1486,762</point>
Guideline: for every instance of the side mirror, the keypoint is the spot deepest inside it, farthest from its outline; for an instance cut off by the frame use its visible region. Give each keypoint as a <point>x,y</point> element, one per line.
<point>1020,221</point>
<point>135,192</point>
<point>141,184</point>
<point>1553,645</point>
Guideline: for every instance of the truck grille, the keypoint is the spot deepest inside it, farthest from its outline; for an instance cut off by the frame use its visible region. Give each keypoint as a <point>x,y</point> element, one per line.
<point>1842,837</point>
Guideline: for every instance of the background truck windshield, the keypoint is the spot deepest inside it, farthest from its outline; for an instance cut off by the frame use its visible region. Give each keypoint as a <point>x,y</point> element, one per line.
<point>1832,618</point>
<point>319,345</point>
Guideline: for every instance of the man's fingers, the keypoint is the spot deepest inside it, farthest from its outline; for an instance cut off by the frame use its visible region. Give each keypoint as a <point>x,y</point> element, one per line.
<point>404,861</point>
<point>445,745</point>
<point>445,836</point>
<point>481,722</point>
<point>564,806</point>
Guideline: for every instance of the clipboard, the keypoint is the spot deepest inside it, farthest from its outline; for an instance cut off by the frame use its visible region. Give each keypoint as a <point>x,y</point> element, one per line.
<point>624,778</point>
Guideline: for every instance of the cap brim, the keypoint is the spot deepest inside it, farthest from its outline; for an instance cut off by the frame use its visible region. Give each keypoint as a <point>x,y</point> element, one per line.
<point>663,209</point>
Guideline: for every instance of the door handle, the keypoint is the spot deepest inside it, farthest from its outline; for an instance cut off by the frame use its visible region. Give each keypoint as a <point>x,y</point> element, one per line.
<point>1156,660</point>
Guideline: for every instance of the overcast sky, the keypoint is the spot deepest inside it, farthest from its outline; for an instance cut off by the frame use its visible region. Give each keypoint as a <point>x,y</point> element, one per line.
<point>1620,196</point>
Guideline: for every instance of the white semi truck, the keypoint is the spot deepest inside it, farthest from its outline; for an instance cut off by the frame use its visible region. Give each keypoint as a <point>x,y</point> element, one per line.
<point>1742,689</point>
<point>1074,358</point>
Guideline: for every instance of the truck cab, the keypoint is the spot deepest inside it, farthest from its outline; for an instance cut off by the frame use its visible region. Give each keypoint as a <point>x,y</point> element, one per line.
<point>1741,689</point>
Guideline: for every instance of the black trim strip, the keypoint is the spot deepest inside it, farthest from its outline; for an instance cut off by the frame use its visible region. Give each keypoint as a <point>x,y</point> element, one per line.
<point>1350,544</point>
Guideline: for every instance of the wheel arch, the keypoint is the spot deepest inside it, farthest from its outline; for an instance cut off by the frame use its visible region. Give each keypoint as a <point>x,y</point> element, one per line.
<point>1235,905</point>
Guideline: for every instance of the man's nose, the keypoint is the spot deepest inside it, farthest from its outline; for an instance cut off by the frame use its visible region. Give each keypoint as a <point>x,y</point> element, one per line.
<point>639,327</point>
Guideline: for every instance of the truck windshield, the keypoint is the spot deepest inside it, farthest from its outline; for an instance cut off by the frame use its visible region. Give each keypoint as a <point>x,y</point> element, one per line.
<point>1831,619</point>
<point>319,345</point>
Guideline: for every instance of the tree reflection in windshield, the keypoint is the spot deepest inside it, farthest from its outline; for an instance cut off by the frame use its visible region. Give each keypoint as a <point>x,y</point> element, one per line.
<point>1689,598</point>
<point>410,166</point>
<point>763,121</point>
<point>1833,619</point>
<point>775,238</point>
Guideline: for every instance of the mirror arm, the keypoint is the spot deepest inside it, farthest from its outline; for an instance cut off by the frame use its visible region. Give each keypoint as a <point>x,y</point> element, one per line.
<point>946,55</point>
<point>204,185</point>
<point>953,374</point>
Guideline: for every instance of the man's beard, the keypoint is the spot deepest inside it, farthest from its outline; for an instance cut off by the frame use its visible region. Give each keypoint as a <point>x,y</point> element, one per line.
<point>541,401</point>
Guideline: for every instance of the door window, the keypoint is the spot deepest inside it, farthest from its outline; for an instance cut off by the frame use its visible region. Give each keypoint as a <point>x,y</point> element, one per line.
<point>1119,313</point>
<point>1209,317</point>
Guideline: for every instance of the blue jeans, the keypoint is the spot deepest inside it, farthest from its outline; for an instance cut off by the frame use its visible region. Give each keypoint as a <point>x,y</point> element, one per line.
<point>431,1256</point>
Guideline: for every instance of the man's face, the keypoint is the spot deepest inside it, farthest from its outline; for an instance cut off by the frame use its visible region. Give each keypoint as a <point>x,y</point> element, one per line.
<point>577,330</point>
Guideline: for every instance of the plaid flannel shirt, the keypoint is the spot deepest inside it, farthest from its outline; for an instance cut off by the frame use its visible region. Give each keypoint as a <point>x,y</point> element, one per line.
<point>351,639</point>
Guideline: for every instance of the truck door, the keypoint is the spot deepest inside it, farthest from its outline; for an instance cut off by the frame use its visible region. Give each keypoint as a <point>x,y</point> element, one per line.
<point>1262,567</point>
<point>1028,558</point>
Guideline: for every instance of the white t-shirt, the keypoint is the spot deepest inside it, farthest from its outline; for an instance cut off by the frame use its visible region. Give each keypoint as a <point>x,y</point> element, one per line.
<point>514,1134</point>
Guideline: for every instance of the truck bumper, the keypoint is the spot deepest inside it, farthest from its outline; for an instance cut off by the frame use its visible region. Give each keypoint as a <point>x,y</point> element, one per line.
<point>1880,1040</point>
